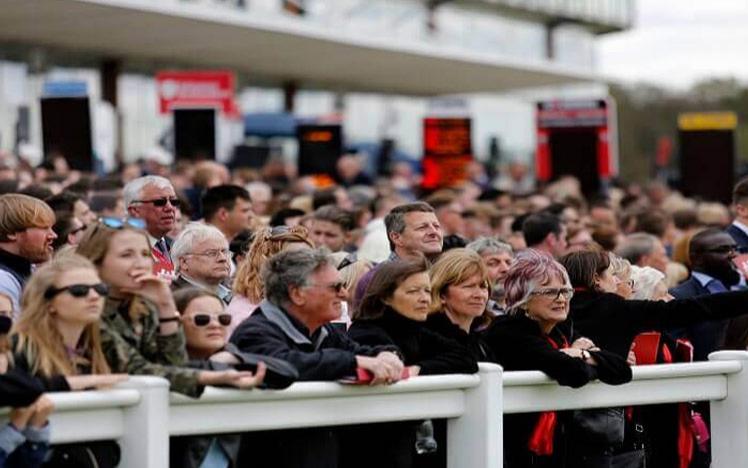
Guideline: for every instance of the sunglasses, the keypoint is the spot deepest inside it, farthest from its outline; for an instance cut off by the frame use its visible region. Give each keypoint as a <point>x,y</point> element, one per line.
<point>77,290</point>
<point>119,223</point>
<point>337,287</point>
<point>202,320</point>
<point>161,202</point>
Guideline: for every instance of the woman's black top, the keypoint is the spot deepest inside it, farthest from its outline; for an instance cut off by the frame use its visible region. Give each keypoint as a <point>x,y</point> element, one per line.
<point>434,353</point>
<point>441,324</point>
<point>519,344</point>
<point>612,322</point>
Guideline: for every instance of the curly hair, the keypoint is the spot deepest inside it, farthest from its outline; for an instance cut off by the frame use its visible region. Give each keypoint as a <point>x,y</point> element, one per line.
<point>531,270</point>
<point>267,242</point>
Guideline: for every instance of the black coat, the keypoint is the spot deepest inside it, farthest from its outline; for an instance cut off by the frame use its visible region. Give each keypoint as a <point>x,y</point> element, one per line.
<point>440,323</point>
<point>612,322</point>
<point>328,354</point>
<point>519,344</point>
<point>432,352</point>
<point>18,389</point>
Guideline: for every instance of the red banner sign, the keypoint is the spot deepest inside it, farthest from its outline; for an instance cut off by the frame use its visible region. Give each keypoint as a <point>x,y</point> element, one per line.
<point>185,89</point>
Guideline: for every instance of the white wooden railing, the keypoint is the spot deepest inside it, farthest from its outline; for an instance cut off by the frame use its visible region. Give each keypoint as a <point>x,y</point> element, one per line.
<point>142,415</point>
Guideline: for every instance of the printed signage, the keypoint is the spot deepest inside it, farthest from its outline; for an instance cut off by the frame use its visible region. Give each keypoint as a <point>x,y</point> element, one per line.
<point>447,150</point>
<point>195,89</point>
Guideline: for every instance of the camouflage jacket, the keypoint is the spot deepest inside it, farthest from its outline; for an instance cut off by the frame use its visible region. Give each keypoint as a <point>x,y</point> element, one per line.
<point>148,352</point>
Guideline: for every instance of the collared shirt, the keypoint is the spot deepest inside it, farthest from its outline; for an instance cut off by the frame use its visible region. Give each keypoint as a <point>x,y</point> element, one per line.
<point>741,226</point>
<point>709,282</point>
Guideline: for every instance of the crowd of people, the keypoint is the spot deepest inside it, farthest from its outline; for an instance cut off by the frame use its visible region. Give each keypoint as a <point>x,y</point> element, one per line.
<point>257,280</point>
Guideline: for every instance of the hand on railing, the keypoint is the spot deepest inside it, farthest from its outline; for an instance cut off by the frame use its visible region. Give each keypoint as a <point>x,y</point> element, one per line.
<point>386,367</point>
<point>99,382</point>
<point>240,379</point>
<point>35,415</point>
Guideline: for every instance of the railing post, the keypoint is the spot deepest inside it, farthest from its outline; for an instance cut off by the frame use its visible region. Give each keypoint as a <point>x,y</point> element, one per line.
<point>145,442</point>
<point>475,439</point>
<point>729,417</point>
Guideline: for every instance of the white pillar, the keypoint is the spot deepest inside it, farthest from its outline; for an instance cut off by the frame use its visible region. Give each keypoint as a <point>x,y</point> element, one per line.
<point>475,439</point>
<point>145,443</point>
<point>730,416</point>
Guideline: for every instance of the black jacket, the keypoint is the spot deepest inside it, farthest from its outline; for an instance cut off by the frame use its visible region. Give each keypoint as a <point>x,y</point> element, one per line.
<point>440,323</point>
<point>519,344</point>
<point>327,354</point>
<point>612,322</point>
<point>18,389</point>
<point>433,353</point>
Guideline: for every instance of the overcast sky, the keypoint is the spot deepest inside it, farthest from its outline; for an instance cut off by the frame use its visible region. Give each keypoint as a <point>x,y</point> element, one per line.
<point>677,42</point>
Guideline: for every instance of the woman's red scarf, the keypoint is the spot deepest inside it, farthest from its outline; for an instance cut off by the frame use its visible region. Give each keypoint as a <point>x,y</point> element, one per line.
<point>541,439</point>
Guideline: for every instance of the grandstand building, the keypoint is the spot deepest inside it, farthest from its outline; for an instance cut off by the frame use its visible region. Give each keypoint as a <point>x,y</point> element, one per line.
<point>381,65</point>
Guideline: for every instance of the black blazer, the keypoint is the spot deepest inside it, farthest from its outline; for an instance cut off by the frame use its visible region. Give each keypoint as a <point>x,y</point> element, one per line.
<point>18,389</point>
<point>473,341</point>
<point>434,353</point>
<point>704,336</point>
<point>739,236</point>
<point>612,322</point>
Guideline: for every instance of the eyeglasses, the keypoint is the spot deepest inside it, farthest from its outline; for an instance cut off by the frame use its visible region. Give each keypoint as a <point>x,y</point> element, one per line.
<point>161,202</point>
<point>119,223</point>
<point>77,290</point>
<point>215,254</point>
<point>337,287</point>
<point>202,320</point>
<point>722,249</point>
<point>554,293</point>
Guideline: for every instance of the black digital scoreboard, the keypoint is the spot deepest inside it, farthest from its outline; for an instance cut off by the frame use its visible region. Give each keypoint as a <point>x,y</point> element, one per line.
<point>707,145</point>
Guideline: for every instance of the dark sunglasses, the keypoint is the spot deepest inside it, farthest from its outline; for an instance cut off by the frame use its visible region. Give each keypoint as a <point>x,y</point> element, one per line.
<point>78,290</point>
<point>202,320</point>
<point>337,287</point>
<point>119,223</point>
<point>723,249</point>
<point>161,202</point>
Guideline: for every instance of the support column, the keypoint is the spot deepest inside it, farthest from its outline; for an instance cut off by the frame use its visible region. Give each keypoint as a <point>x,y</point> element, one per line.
<point>730,416</point>
<point>289,96</point>
<point>109,72</point>
<point>475,438</point>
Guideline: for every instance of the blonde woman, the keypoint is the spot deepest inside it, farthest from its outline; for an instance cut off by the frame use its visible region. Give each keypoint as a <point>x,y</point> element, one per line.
<point>460,287</point>
<point>58,333</point>
<point>141,331</point>
<point>248,288</point>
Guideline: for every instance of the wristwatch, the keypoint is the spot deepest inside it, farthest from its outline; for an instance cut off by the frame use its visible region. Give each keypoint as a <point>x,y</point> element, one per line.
<point>586,354</point>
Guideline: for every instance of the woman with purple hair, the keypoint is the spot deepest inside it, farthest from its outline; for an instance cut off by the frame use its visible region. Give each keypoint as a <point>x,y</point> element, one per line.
<point>538,292</point>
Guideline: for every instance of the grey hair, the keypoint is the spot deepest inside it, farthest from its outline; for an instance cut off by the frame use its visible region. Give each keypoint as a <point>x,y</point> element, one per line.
<point>291,268</point>
<point>133,189</point>
<point>645,280</point>
<point>192,234</point>
<point>619,266</point>
<point>635,246</point>
<point>490,246</point>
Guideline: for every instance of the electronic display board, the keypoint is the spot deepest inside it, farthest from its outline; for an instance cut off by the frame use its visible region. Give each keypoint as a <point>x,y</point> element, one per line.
<point>320,147</point>
<point>447,151</point>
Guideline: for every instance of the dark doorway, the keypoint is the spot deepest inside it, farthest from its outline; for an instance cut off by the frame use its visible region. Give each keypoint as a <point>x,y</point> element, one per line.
<point>195,134</point>
<point>66,130</point>
<point>574,152</point>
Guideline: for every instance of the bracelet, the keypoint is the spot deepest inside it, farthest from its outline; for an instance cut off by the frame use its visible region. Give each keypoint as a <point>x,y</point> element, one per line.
<point>176,318</point>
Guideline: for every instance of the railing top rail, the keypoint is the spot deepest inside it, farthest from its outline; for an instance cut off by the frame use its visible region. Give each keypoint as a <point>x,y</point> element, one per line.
<point>308,390</point>
<point>650,372</point>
